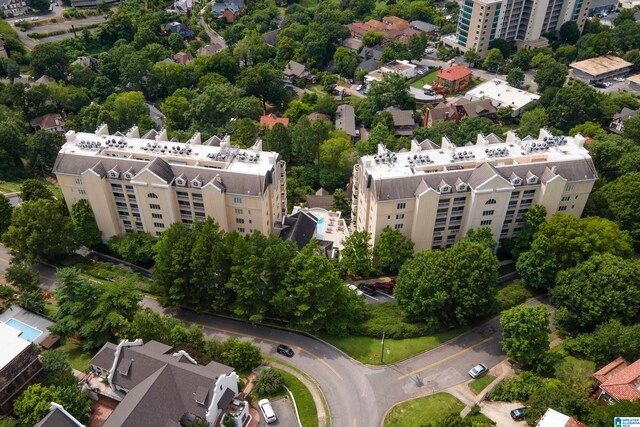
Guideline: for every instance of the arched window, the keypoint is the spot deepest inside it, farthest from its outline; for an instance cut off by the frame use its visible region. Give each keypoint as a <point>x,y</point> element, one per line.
<point>491,202</point>
<point>152,195</point>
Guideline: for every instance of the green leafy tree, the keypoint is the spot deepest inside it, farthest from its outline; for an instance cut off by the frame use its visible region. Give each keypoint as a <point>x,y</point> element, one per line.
<point>42,149</point>
<point>590,129</point>
<point>602,415</point>
<point>557,395</point>
<point>532,121</point>
<point>40,230</point>
<point>522,59</point>
<point>620,203</point>
<point>34,403</point>
<point>566,54</point>
<point>357,254</point>
<point>493,60</point>
<point>609,341</point>
<point>574,104</point>
<point>535,216</point>
<point>569,32</point>
<point>391,91</point>
<point>49,59</point>
<point>87,231</point>
<point>278,139</point>
<point>265,82</point>
<point>22,275</point>
<point>341,203</point>
<point>550,74</point>
<point>515,77</point>
<point>175,109</point>
<point>35,189</point>
<point>7,421</point>
<point>102,88</point>
<point>536,266</point>
<point>392,250</point>
<point>632,129</point>
<point>454,286</point>
<point>473,58</point>
<point>592,45</point>
<point>242,355</point>
<point>337,153</point>
<point>32,299</point>
<point>296,109</point>
<point>482,235</point>
<point>417,44</point>
<point>372,38</point>
<point>76,298</point>
<point>12,147</point>
<point>56,369</point>
<point>123,110</point>
<point>525,334</point>
<point>345,61</point>
<point>245,132</point>
<point>626,35</point>
<point>269,382</point>
<point>135,247</point>
<point>601,288</point>
<point>5,214</point>
<point>506,47</point>
<point>149,325</point>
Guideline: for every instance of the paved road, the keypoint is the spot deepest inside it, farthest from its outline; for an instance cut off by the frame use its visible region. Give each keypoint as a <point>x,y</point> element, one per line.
<point>357,395</point>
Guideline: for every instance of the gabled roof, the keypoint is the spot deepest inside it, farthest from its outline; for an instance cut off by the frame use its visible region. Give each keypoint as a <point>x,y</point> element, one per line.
<point>300,228</point>
<point>48,121</point>
<point>270,120</point>
<point>620,379</point>
<point>58,417</point>
<point>346,119</point>
<point>401,117</point>
<point>455,72</point>
<point>553,418</point>
<point>368,65</point>
<point>271,37</point>
<point>374,52</point>
<point>625,113</point>
<point>296,69</point>
<point>161,169</point>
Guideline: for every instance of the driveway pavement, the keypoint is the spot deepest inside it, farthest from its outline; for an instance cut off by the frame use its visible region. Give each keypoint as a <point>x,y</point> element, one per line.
<point>283,407</point>
<point>500,413</point>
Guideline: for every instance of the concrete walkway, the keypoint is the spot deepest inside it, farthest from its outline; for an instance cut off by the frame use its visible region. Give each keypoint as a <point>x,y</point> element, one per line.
<point>313,389</point>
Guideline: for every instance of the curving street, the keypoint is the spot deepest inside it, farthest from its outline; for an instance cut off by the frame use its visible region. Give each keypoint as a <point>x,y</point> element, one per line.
<point>357,394</point>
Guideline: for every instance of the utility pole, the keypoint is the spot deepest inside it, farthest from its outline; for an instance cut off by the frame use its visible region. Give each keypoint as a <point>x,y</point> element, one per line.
<point>382,352</point>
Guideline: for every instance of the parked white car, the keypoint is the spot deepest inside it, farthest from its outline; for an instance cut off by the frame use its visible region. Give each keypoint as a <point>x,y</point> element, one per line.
<point>267,411</point>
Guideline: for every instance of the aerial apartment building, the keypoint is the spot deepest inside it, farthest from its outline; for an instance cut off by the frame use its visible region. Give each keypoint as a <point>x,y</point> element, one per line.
<point>433,195</point>
<point>525,21</point>
<point>146,183</point>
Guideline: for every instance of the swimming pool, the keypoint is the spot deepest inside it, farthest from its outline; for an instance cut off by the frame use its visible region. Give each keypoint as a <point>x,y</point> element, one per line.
<point>28,333</point>
<point>320,228</point>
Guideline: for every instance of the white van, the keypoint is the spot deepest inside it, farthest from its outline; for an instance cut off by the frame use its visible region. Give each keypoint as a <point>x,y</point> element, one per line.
<point>267,411</point>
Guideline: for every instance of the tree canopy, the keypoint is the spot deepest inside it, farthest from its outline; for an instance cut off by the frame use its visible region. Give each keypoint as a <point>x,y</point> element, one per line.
<point>525,334</point>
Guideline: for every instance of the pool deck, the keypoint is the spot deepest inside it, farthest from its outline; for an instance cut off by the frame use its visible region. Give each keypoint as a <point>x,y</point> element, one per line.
<point>30,319</point>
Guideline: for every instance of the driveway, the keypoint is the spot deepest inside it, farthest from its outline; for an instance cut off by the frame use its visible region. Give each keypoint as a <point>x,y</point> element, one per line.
<point>500,413</point>
<point>283,407</point>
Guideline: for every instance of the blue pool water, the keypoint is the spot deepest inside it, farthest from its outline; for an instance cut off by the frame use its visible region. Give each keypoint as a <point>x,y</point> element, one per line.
<point>28,333</point>
<point>320,227</point>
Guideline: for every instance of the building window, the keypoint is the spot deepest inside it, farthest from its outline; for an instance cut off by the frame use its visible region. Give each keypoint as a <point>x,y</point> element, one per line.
<point>116,187</point>
<point>81,191</point>
<point>402,205</point>
<point>490,202</point>
<point>487,213</point>
<point>239,220</point>
<point>562,208</point>
<point>154,206</point>
<point>158,225</point>
<point>237,200</point>
<point>485,222</point>
<point>399,226</point>
<point>240,229</point>
<point>566,198</point>
<point>568,188</point>
<point>78,181</point>
<point>152,195</point>
<point>238,211</point>
<point>156,216</point>
<point>158,233</point>
<point>400,216</point>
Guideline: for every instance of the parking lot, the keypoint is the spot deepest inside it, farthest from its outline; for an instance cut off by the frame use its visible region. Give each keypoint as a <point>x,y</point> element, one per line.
<point>283,407</point>
<point>379,297</point>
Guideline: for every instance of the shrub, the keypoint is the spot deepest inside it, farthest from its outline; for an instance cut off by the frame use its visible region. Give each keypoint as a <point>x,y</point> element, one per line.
<point>242,355</point>
<point>6,291</point>
<point>513,294</point>
<point>136,248</point>
<point>390,318</point>
<point>269,382</point>
<point>517,388</point>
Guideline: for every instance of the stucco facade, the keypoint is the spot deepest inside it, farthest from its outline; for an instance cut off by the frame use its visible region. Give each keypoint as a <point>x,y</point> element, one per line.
<point>434,195</point>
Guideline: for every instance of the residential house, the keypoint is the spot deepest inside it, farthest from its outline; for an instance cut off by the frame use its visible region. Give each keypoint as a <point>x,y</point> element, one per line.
<point>87,61</point>
<point>19,364</point>
<point>182,57</point>
<point>346,120</point>
<point>58,417</point>
<point>425,27</point>
<point>177,27</point>
<point>268,121</point>
<point>12,8</point>
<point>458,110</point>
<point>209,49</point>
<point>297,73</point>
<point>271,37</point>
<point>395,23</point>
<point>52,122</point>
<point>455,78</point>
<point>618,381</point>
<point>322,199</point>
<point>229,9</point>
<point>352,44</point>
<point>391,26</point>
<point>403,121</point>
<point>502,94</point>
<point>367,65</point>
<point>405,68</point>
<point>156,116</point>
<point>553,418</point>
<point>181,7</point>
<point>318,116</point>
<point>159,387</point>
<point>44,80</point>
<point>617,124</point>
<point>374,52</point>
<point>327,227</point>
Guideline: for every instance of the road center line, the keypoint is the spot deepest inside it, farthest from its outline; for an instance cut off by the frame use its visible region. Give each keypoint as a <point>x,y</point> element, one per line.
<point>446,358</point>
<point>272,341</point>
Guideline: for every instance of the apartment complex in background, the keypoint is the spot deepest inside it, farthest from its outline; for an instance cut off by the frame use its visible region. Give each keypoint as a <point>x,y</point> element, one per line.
<point>146,183</point>
<point>525,21</point>
<point>433,195</point>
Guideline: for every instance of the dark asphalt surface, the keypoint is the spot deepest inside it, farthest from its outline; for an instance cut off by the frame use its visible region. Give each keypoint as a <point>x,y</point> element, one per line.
<point>357,395</point>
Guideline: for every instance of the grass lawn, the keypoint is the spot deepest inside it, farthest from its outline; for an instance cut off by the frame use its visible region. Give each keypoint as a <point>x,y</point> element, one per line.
<point>367,350</point>
<point>50,309</point>
<point>14,186</point>
<point>304,400</point>
<point>426,79</point>
<point>432,408</point>
<point>308,4</point>
<point>481,383</point>
<point>78,359</point>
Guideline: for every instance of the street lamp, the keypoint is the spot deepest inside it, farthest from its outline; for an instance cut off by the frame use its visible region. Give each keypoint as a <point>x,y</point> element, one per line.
<point>382,351</point>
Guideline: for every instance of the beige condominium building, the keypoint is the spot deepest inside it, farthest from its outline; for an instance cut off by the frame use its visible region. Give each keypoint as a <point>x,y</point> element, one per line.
<point>147,183</point>
<point>433,195</point>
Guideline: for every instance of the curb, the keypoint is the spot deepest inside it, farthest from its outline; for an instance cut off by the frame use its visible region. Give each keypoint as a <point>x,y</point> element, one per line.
<point>295,407</point>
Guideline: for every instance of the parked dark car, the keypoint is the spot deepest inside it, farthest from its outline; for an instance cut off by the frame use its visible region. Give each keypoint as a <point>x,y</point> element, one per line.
<point>385,287</point>
<point>366,289</point>
<point>600,85</point>
<point>479,370</point>
<point>285,350</point>
<point>518,414</point>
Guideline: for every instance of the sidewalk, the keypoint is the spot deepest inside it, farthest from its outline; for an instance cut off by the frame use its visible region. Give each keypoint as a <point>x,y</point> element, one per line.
<point>313,389</point>
<point>255,416</point>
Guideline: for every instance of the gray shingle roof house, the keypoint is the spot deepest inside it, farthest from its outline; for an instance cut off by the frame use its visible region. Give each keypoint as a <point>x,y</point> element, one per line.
<point>346,119</point>
<point>228,9</point>
<point>295,71</point>
<point>617,124</point>
<point>162,388</point>
<point>58,417</point>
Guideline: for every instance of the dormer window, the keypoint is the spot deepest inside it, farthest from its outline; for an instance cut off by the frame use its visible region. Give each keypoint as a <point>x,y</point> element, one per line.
<point>532,179</point>
<point>180,182</point>
<point>445,189</point>
<point>516,181</point>
<point>461,187</point>
<point>196,183</point>
<point>128,175</point>
<point>113,173</point>
<point>124,367</point>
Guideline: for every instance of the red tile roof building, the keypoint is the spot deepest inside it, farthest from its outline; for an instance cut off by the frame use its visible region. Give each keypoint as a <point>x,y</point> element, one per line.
<point>619,380</point>
<point>455,78</point>
<point>268,121</point>
<point>391,26</point>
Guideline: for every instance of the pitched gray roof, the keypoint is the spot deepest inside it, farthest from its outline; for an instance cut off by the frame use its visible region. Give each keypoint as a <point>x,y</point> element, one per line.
<point>401,117</point>
<point>299,228</point>
<point>56,418</point>
<point>294,68</point>
<point>346,119</point>
<point>104,357</point>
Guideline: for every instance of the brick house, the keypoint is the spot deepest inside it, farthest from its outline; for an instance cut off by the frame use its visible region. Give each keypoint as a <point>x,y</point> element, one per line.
<point>455,78</point>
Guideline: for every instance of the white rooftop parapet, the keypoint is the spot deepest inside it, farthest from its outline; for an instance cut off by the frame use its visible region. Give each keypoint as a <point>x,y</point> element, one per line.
<point>196,139</point>
<point>103,130</point>
<point>134,132</point>
<point>544,134</point>
<point>512,136</point>
<point>70,136</point>
<point>116,356</point>
<point>415,146</point>
<point>162,135</point>
<point>579,140</point>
